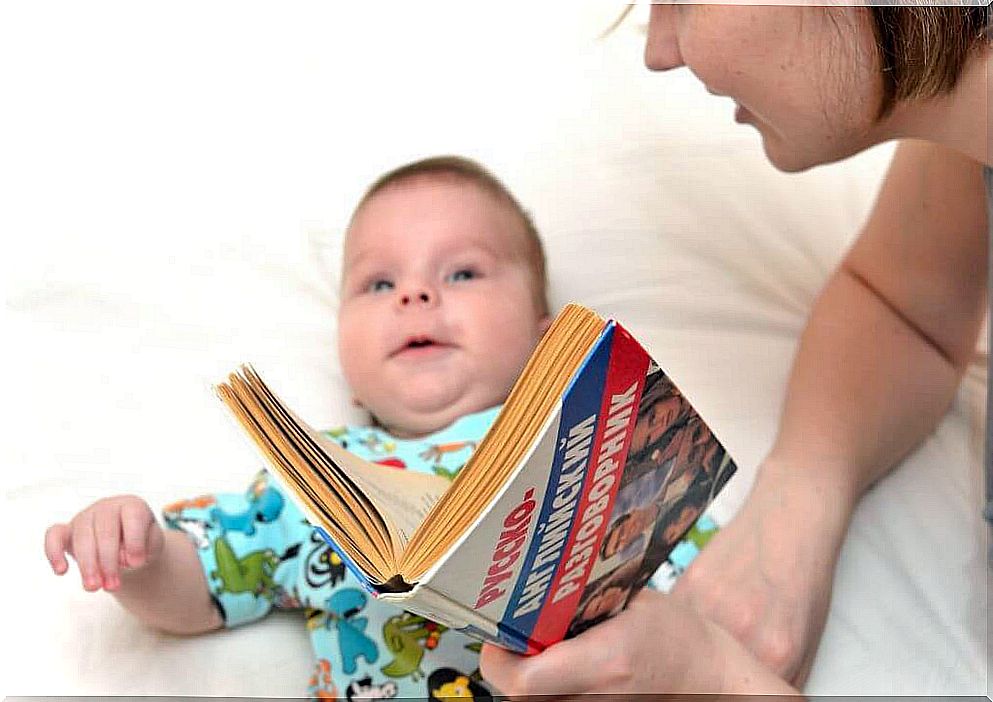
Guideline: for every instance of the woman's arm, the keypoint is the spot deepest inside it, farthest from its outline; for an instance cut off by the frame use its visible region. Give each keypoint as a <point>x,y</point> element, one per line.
<point>877,366</point>
<point>890,337</point>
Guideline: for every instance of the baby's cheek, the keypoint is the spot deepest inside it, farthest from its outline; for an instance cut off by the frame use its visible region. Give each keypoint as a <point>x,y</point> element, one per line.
<point>356,354</point>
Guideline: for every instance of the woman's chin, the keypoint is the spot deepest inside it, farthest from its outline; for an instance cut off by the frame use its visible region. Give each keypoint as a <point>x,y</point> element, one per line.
<point>785,158</point>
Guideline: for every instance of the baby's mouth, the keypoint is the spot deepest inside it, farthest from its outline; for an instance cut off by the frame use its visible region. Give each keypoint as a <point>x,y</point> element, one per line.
<point>420,346</point>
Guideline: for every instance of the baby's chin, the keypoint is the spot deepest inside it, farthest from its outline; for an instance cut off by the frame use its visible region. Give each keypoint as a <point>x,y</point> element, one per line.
<point>417,414</point>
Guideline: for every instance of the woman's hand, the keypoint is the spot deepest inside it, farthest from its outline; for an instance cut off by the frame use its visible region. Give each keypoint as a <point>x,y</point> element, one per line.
<point>658,644</point>
<point>766,577</point>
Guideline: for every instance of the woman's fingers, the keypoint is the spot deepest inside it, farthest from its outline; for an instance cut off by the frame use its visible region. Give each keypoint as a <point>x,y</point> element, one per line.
<point>655,645</point>
<point>552,672</point>
<point>519,677</point>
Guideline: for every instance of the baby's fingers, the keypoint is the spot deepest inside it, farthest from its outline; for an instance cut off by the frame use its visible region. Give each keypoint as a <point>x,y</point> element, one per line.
<point>107,527</point>
<point>84,550</point>
<point>137,521</point>
<point>56,545</point>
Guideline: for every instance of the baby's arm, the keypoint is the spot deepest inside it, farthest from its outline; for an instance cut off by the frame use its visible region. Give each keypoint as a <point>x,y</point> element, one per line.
<point>155,574</point>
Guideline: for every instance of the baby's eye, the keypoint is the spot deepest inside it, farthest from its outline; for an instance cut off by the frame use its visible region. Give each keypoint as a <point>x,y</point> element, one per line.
<point>380,285</point>
<point>462,274</point>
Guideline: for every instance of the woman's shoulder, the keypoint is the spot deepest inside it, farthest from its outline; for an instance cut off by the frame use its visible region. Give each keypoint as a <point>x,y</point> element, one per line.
<point>929,191</point>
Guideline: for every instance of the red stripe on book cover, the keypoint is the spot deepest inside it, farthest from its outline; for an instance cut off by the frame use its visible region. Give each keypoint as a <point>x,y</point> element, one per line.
<point>622,394</point>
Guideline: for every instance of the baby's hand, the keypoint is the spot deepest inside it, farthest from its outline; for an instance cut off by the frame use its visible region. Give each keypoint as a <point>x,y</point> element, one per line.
<point>110,535</point>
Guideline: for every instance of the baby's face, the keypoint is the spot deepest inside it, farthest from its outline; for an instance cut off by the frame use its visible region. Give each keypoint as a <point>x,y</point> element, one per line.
<point>437,313</point>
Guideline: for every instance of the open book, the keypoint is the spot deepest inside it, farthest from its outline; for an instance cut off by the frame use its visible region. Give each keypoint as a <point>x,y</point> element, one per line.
<point>594,469</point>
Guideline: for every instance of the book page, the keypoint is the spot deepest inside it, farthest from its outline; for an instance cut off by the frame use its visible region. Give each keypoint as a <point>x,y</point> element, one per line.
<point>404,497</point>
<point>369,510</point>
<point>401,497</point>
<point>337,505</point>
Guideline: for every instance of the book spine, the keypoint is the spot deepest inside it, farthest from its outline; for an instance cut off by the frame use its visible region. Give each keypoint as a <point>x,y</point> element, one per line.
<point>618,400</point>
<point>349,563</point>
<point>598,413</point>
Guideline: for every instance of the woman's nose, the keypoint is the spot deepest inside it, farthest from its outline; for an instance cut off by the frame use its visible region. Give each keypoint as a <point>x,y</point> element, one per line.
<point>662,47</point>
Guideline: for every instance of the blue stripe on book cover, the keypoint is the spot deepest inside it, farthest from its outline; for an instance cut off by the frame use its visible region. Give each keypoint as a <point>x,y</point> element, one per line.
<point>581,401</point>
<point>363,581</point>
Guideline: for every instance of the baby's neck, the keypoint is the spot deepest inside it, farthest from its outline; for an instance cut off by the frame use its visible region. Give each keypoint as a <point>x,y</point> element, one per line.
<point>419,432</point>
<point>403,432</point>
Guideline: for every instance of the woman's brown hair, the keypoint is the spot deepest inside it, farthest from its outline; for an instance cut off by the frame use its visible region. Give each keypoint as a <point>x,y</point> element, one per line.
<point>924,49</point>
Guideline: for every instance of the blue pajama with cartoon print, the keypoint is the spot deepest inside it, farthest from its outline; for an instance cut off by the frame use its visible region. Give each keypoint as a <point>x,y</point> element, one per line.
<point>259,553</point>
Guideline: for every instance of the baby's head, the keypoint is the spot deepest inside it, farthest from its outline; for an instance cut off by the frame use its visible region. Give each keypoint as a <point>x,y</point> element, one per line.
<point>442,295</point>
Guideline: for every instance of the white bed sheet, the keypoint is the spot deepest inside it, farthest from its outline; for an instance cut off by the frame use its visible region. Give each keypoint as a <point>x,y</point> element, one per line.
<point>161,234</point>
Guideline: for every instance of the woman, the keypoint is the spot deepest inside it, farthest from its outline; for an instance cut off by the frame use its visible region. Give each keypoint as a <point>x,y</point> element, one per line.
<point>881,357</point>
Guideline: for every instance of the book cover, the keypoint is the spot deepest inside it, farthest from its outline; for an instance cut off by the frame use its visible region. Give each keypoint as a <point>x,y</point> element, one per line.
<point>621,472</point>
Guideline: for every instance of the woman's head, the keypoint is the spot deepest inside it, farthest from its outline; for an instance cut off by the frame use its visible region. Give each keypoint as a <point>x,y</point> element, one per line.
<point>818,83</point>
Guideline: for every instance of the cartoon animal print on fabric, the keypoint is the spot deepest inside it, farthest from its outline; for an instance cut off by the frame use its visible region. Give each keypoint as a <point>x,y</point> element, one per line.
<point>322,566</point>
<point>321,685</point>
<point>408,636</point>
<point>252,573</point>
<point>265,504</point>
<point>446,684</point>
<point>342,607</point>
<point>364,689</point>
<point>201,502</point>
<point>197,529</point>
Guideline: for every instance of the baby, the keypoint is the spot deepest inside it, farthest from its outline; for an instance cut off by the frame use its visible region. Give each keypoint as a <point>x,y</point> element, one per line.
<point>442,302</point>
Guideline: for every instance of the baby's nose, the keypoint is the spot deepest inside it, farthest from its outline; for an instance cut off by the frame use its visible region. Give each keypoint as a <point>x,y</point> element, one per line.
<point>422,297</point>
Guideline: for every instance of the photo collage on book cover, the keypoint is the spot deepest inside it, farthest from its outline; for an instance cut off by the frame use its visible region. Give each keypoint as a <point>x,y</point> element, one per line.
<point>674,468</point>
